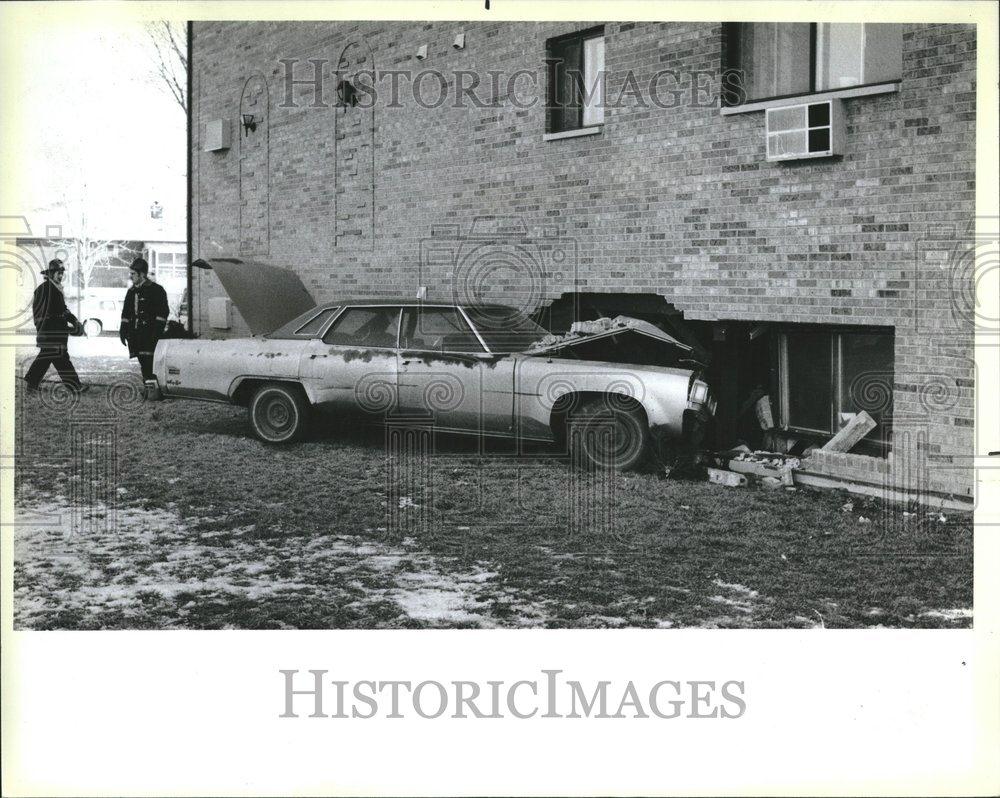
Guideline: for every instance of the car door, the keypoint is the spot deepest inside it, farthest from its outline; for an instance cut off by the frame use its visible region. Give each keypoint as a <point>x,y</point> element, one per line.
<point>352,367</point>
<point>447,374</point>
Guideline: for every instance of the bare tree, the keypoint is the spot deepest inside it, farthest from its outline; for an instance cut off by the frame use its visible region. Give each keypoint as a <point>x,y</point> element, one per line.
<point>170,64</point>
<point>84,250</point>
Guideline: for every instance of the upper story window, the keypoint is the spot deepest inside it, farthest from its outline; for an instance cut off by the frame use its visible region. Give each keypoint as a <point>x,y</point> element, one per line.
<point>778,59</point>
<point>576,81</point>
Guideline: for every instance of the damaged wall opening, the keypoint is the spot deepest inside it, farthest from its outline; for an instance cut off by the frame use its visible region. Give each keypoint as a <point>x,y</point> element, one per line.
<point>585,306</point>
<point>780,387</point>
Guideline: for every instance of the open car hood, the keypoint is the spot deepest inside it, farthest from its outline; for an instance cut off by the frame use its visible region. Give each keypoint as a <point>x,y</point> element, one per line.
<point>266,296</point>
<point>622,339</point>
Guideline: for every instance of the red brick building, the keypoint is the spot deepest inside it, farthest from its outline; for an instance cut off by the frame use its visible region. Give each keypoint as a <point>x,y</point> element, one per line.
<point>797,198</point>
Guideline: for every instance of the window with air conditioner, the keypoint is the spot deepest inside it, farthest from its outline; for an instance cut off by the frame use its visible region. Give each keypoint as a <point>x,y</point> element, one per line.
<point>575,81</point>
<point>769,60</point>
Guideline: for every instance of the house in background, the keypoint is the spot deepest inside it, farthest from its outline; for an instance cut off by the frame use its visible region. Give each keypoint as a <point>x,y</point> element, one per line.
<point>796,199</point>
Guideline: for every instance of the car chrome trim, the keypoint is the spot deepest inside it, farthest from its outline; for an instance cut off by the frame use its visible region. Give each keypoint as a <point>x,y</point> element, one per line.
<point>331,322</point>
<point>311,319</point>
<point>474,329</point>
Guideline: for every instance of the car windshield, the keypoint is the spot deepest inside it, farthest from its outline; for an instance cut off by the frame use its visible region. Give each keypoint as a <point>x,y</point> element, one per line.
<point>505,329</point>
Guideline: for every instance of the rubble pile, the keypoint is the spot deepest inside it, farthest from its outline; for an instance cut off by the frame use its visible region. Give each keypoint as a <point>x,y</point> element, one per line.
<point>735,467</point>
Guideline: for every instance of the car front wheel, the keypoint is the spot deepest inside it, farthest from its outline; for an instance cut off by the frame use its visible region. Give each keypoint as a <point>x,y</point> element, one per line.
<point>609,433</point>
<point>92,328</point>
<point>278,413</point>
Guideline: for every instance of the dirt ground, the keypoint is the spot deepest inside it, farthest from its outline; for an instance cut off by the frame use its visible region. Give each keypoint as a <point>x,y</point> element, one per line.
<point>137,515</point>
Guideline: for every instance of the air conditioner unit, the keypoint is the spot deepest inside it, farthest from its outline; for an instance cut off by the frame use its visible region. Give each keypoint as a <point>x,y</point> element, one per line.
<point>810,130</point>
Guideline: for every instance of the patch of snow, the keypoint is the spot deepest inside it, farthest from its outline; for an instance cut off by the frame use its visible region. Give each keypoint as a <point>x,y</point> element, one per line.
<point>953,615</point>
<point>737,597</point>
<point>735,587</point>
<point>602,620</point>
<point>742,606</point>
<point>114,565</point>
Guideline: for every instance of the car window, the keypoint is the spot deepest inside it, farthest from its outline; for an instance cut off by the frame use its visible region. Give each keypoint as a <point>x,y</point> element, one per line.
<point>316,323</point>
<point>438,330</point>
<point>505,329</point>
<point>365,327</point>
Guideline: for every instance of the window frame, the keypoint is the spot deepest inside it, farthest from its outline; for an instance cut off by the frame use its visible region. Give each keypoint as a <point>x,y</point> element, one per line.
<point>581,128</point>
<point>456,309</point>
<point>334,314</point>
<point>347,308</point>
<point>731,30</point>
<point>836,336</point>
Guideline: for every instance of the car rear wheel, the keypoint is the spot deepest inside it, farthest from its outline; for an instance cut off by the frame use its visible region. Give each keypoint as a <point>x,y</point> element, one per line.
<point>278,413</point>
<point>92,328</point>
<point>609,433</point>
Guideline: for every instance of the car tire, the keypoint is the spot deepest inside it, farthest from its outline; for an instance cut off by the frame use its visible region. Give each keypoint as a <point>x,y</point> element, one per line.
<point>92,328</point>
<point>610,433</point>
<point>278,413</point>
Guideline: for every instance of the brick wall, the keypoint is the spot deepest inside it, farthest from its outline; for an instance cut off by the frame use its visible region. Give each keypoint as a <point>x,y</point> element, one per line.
<point>676,201</point>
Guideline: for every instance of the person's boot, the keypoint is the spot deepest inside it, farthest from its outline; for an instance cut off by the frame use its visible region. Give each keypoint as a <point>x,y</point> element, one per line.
<point>152,391</point>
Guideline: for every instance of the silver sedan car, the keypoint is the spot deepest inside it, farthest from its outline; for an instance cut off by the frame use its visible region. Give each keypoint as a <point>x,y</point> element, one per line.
<point>485,370</point>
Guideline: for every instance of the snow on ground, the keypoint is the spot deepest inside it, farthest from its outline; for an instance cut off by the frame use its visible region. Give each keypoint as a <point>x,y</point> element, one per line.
<point>953,615</point>
<point>740,604</point>
<point>95,561</point>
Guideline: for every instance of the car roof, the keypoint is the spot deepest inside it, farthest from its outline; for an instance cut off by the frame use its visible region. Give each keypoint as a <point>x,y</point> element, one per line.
<point>410,302</point>
<point>289,328</point>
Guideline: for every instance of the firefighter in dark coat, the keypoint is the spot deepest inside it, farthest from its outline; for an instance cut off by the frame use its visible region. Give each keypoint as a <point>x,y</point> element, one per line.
<point>54,323</point>
<point>144,318</point>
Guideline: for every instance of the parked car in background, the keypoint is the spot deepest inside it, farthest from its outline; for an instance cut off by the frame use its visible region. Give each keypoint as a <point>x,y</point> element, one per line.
<point>101,309</point>
<point>617,392</point>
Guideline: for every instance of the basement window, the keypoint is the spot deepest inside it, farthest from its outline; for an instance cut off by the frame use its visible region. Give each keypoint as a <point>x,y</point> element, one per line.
<point>772,60</point>
<point>827,377</point>
<point>575,82</point>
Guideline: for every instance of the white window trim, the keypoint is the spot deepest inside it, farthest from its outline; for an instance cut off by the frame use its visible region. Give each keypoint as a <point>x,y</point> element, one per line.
<point>852,91</point>
<point>572,134</point>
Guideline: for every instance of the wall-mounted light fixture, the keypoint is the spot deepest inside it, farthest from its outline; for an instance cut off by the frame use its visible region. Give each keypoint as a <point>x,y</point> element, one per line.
<point>459,43</point>
<point>347,94</point>
<point>422,52</point>
<point>249,124</point>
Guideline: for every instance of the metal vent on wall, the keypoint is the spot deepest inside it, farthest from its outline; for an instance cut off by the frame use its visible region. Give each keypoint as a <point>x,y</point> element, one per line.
<point>809,130</point>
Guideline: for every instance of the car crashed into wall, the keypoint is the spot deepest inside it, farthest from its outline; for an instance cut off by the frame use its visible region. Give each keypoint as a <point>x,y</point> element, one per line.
<point>619,392</point>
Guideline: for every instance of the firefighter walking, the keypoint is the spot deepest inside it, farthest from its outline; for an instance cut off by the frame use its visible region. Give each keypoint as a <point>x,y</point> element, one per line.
<point>54,323</point>
<point>144,318</point>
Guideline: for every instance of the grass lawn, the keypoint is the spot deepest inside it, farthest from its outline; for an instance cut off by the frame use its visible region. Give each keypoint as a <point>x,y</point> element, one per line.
<point>170,515</point>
